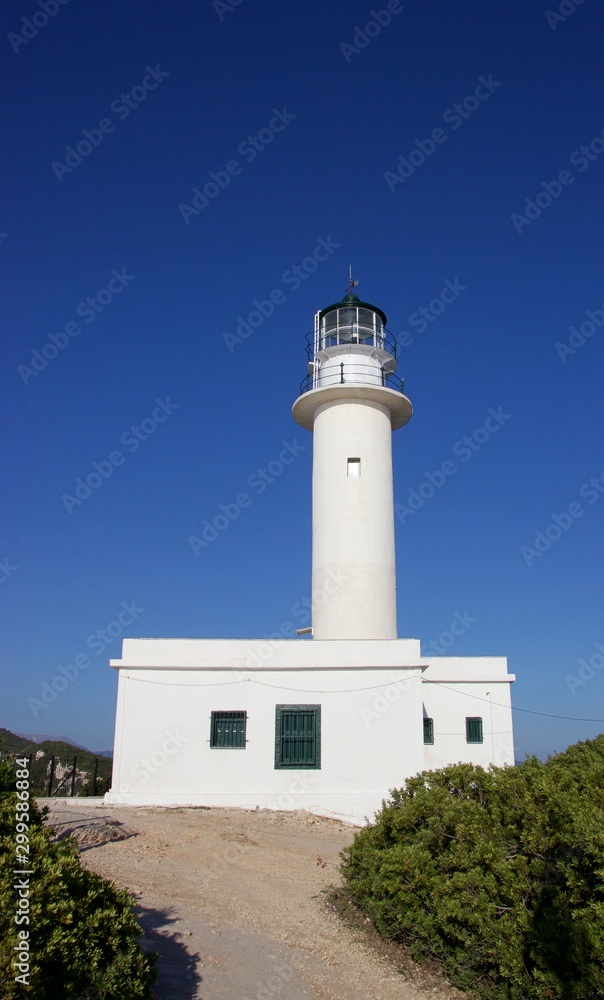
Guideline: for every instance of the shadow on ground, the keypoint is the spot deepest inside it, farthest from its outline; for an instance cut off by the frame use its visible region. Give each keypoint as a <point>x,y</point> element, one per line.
<point>176,965</point>
<point>88,831</point>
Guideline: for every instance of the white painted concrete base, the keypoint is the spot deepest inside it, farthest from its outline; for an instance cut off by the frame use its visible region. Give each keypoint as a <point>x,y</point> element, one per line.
<point>331,805</point>
<point>374,695</point>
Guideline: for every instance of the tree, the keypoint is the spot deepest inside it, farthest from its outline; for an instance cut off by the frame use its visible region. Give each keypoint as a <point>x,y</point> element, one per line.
<point>497,874</point>
<point>82,936</point>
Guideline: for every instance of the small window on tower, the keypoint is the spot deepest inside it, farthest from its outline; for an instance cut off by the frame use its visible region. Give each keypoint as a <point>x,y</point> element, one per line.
<point>354,468</point>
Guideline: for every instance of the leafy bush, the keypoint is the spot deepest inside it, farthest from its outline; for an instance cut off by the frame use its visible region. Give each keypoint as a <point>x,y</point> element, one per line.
<point>497,874</point>
<point>83,936</point>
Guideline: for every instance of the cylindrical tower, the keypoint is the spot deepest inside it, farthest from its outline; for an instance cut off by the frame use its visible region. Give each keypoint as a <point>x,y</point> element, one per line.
<point>352,401</point>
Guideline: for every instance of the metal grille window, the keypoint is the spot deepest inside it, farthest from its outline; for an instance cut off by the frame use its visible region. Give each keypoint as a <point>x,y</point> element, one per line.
<point>428,730</point>
<point>474,730</point>
<point>298,736</point>
<point>227,730</point>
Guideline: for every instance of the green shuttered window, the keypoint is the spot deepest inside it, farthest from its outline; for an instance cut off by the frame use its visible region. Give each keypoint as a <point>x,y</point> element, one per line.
<point>227,730</point>
<point>298,736</point>
<point>428,730</point>
<point>474,730</point>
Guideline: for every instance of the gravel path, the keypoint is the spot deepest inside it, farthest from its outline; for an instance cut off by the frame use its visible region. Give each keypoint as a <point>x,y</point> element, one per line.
<point>233,901</point>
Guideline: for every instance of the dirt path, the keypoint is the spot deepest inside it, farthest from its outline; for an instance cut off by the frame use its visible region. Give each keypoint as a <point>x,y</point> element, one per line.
<point>233,902</point>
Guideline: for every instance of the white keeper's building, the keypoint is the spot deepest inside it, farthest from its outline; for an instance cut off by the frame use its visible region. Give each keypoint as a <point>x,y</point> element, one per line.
<point>332,724</point>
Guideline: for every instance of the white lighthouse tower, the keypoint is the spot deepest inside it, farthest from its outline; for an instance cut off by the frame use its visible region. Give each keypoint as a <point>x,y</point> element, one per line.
<point>352,400</point>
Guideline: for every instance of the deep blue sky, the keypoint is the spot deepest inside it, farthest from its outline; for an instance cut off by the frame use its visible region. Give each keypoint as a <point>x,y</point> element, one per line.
<point>162,336</point>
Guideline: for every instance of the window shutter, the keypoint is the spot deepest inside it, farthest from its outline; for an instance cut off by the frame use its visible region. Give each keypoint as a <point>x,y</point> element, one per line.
<point>298,736</point>
<point>474,729</point>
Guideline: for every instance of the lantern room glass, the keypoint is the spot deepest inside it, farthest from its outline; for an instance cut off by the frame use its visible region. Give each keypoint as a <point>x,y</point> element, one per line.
<point>351,325</point>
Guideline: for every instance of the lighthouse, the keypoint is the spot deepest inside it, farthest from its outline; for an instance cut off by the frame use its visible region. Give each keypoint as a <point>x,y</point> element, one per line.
<point>331,725</point>
<point>352,400</point>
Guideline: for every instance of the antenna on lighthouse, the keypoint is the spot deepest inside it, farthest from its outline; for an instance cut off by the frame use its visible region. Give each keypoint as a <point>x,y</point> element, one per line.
<point>352,282</point>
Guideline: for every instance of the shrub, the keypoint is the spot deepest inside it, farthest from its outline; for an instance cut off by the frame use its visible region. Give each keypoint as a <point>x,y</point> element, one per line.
<point>83,936</point>
<point>497,874</point>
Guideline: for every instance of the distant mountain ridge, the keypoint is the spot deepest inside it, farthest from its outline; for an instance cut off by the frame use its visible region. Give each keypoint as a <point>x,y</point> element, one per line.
<point>45,738</point>
<point>12,743</point>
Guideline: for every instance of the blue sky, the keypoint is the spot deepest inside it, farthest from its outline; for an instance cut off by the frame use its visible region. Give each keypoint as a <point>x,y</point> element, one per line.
<point>297,124</point>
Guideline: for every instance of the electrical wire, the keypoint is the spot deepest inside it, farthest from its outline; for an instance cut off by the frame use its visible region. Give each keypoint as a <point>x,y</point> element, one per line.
<point>374,687</point>
<point>528,711</point>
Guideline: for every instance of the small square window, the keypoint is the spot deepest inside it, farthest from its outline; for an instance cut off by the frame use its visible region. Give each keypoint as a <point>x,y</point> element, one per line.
<point>227,730</point>
<point>474,729</point>
<point>354,468</point>
<point>428,730</point>
<point>298,736</point>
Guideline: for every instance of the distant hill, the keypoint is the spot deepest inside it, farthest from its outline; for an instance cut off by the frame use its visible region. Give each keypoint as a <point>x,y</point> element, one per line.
<point>11,743</point>
<point>57,780</point>
<point>43,737</point>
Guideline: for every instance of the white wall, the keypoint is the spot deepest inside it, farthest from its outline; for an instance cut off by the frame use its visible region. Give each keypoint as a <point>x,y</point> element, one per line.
<point>353,559</point>
<point>370,739</point>
<point>371,694</point>
<point>456,687</point>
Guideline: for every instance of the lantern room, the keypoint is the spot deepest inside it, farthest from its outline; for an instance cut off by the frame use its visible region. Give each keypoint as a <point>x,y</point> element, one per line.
<point>350,322</point>
<point>350,344</point>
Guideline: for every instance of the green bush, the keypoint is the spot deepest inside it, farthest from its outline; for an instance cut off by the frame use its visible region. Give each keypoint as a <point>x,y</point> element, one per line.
<point>83,935</point>
<point>497,874</point>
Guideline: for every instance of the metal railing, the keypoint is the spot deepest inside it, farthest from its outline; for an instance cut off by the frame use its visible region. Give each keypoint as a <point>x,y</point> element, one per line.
<point>62,776</point>
<point>343,373</point>
<point>384,340</point>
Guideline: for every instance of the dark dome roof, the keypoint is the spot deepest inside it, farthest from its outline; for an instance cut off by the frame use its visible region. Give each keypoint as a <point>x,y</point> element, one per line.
<point>350,299</point>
